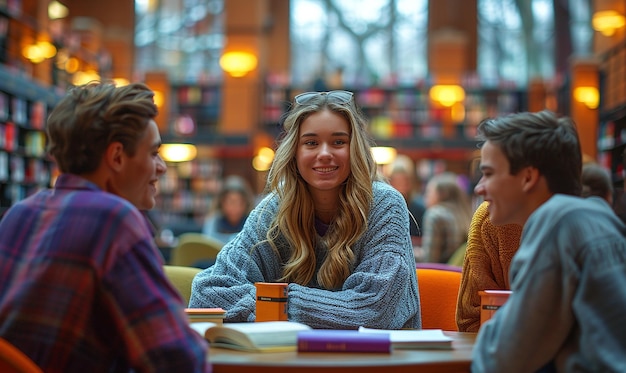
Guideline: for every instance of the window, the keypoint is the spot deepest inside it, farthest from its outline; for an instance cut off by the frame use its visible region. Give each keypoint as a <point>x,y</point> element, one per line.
<point>360,43</point>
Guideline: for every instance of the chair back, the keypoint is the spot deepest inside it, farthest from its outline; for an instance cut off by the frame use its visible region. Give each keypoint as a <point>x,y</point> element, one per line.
<point>439,290</point>
<point>193,248</point>
<point>181,277</point>
<point>12,360</point>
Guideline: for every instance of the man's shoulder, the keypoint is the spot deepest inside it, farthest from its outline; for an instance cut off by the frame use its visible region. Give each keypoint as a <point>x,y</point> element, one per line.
<point>562,204</point>
<point>572,211</point>
<point>113,204</point>
<point>101,206</point>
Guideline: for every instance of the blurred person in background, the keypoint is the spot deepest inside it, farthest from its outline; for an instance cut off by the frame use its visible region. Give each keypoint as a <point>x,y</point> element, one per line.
<point>230,209</point>
<point>403,180</point>
<point>596,181</point>
<point>446,219</point>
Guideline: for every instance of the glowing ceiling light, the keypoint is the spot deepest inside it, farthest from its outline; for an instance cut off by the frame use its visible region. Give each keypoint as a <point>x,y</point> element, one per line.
<point>238,63</point>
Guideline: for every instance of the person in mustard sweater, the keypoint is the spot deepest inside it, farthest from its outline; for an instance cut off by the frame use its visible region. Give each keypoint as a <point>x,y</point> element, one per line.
<point>488,255</point>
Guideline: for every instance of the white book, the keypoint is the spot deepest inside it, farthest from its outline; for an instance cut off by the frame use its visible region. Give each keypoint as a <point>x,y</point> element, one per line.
<point>415,339</point>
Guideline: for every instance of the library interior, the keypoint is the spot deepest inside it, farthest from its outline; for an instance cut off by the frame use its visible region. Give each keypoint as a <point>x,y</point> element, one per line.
<point>224,73</point>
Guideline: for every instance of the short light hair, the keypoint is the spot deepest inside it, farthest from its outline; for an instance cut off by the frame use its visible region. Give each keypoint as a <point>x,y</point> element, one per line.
<point>92,116</point>
<point>541,140</point>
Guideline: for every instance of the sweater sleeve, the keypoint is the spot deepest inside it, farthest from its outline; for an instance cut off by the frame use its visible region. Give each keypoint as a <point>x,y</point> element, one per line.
<point>244,260</point>
<point>486,265</point>
<point>381,291</point>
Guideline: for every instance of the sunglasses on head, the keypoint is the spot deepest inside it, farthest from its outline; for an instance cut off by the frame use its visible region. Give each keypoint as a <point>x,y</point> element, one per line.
<point>338,97</point>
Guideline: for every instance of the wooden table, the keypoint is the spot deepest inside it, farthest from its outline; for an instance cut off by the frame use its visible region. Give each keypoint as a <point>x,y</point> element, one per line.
<point>456,360</point>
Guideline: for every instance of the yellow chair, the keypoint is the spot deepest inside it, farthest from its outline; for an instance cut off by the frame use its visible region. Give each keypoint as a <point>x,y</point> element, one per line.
<point>459,256</point>
<point>12,360</point>
<point>439,289</point>
<point>193,248</point>
<point>181,277</point>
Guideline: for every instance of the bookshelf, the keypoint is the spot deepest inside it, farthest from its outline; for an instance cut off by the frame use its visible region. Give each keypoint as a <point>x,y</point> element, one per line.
<point>403,117</point>
<point>186,192</point>
<point>277,100</point>
<point>196,109</point>
<point>187,188</point>
<point>612,135</point>
<point>24,166</point>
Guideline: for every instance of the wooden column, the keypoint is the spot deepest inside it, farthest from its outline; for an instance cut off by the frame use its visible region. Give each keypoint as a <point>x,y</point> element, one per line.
<point>458,16</point>
<point>584,73</point>
<point>278,41</point>
<point>159,82</point>
<point>117,34</point>
<point>451,47</point>
<point>537,95</point>
<point>245,26</point>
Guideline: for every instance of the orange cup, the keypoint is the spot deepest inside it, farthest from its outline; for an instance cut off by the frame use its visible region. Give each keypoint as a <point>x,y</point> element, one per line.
<point>271,301</point>
<point>490,302</point>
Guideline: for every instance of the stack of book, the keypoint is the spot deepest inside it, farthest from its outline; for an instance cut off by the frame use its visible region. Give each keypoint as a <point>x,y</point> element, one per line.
<point>214,315</point>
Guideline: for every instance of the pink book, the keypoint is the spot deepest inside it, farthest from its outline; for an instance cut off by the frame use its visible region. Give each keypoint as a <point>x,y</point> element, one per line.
<point>322,340</point>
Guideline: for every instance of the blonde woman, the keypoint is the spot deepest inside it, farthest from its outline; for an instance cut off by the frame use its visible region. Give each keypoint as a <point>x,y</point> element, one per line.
<point>328,227</point>
<point>446,219</point>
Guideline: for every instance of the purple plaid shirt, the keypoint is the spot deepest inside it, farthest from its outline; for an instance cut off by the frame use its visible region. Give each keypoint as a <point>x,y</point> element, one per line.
<point>82,287</point>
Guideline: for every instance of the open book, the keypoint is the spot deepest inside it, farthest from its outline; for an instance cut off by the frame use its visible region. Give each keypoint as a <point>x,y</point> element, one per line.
<point>268,336</point>
<point>415,339</point>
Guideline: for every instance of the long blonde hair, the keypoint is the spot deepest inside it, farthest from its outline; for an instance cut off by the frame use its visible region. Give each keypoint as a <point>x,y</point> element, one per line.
<point>295,219</point>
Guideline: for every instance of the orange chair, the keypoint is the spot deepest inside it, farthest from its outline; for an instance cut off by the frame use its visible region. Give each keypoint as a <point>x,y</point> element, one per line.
<point>439,289</point>
<point>12,360</point>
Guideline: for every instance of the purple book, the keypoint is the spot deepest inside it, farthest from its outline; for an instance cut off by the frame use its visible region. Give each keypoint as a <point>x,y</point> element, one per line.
<point>322,340</point>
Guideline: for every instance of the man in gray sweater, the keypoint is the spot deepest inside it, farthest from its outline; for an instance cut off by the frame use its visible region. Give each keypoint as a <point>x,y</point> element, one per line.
<point>566,312</point>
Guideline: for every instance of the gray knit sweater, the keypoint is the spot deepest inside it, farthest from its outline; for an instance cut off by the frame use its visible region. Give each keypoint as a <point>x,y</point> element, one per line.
<point>381,291</point>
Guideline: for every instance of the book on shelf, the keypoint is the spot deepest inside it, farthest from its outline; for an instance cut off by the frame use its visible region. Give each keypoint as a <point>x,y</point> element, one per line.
<point>214,315</point>
<point>414,339</point>
<point>322,340</point>
<point>267,336</point>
